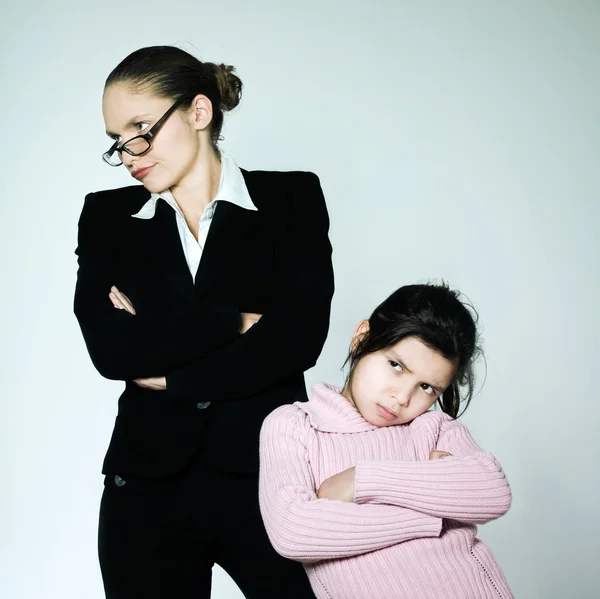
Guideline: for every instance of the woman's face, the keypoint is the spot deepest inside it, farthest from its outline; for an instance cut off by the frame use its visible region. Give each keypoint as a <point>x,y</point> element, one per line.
<point>175,148</point>
<point>397,384</point>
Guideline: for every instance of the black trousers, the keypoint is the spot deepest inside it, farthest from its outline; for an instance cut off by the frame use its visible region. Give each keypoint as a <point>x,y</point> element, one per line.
<point>159,538</point>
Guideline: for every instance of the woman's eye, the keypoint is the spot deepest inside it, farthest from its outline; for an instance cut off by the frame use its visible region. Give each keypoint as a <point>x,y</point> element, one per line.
<point>397,367</point>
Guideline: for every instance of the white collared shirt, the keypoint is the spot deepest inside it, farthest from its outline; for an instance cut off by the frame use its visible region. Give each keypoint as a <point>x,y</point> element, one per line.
<point>232,188</point>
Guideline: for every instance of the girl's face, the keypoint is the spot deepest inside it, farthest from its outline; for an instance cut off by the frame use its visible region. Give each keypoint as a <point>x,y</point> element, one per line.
<point>175,148</point>
<point>397,384</point>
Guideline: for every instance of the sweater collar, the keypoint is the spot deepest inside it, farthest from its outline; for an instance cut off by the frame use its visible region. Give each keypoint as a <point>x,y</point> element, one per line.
<point>330,412</point>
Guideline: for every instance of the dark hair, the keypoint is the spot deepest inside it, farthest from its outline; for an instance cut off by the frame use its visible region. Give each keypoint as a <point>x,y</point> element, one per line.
<point>170,72</point>
<point>435,315</point>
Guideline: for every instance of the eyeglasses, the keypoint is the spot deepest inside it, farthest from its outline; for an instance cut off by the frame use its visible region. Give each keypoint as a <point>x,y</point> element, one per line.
<point>139,145</point>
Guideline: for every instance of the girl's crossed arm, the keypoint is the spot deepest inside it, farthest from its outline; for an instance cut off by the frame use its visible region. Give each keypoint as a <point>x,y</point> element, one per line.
<point>307,529</point>
<point>468,486</point>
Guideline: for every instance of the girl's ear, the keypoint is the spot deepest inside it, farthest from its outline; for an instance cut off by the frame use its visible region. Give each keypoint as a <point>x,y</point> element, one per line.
<point>361,330</point>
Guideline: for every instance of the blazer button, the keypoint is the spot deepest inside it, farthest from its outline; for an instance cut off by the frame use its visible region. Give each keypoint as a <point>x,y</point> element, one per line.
<point>202,405</point>
<point>119,481</point>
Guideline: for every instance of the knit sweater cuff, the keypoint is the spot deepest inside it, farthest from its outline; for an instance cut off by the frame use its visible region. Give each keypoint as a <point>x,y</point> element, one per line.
<point>409,484</point>
<point>367,482</point>
<point>470,489</point>
<point>367,489</point>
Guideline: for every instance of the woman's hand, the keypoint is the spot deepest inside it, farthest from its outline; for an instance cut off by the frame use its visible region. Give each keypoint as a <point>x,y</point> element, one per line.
<point>248,320</point>
<point>439,455</point>
<point>120,300</point>
<point>156,383</point>
<point>340,486</point>
<point>159,383</point>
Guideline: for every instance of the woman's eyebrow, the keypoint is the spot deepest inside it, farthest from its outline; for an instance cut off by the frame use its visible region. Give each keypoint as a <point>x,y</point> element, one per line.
<point>130,123</point>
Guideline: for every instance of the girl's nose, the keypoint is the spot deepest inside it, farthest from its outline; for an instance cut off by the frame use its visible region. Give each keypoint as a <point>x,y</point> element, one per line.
<point>401,397</point>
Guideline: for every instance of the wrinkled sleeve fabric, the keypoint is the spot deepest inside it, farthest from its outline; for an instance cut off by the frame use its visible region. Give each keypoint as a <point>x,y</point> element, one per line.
<point>290,336</point>
<point>308,529</point>
<point>469,486</point>
<point>123,346</point>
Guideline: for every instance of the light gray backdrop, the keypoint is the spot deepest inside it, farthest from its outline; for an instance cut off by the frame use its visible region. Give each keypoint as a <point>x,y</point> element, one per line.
<point>455,140</point>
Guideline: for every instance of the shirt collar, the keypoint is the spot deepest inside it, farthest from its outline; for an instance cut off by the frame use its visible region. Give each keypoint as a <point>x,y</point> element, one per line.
<point>232,188</point>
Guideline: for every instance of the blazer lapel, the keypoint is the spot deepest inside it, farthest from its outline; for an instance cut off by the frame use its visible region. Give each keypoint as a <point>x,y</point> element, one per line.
<point>224,248</point>
<point>163,246</point>
<point>223,251</point>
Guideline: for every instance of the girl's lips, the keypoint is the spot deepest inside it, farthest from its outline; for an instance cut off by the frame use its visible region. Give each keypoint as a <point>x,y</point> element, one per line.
<point>142,172</point>
<point>386,413</point>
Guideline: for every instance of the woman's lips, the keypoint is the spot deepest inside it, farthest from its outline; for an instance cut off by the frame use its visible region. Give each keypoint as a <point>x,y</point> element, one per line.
<point>142,172</point>
<point>386,413</point>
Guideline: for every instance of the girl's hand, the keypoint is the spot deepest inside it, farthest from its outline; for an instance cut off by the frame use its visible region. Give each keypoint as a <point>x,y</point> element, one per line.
<point>156,383</point>
<point>248,320</point>
<point>438,455</point>
<point>339,486</point>
<point>120,300</point>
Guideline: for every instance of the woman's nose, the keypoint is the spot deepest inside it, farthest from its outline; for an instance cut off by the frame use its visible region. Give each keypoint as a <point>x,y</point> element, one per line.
<point>127,159</point>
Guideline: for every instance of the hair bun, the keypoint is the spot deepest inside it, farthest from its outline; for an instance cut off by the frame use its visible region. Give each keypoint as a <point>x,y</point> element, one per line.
<point>229,84</point>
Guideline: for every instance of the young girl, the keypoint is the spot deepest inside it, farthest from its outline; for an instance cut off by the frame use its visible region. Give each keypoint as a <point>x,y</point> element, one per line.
<point>375,493</point>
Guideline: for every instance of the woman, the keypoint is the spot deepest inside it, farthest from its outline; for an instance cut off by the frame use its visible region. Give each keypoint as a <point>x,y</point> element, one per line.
<point>207,290</point>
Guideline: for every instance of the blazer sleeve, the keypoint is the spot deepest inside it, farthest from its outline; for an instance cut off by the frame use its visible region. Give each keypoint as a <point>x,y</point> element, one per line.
<point>290,336</point>
<point>469,486</point>
<point>123,346</point>
<point>308,529</point>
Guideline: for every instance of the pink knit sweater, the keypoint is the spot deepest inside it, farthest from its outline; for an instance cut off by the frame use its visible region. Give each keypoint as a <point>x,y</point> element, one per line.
<point>411,531</point>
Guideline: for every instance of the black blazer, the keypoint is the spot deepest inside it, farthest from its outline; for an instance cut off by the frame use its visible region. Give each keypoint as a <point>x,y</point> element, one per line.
<point>220,384</point>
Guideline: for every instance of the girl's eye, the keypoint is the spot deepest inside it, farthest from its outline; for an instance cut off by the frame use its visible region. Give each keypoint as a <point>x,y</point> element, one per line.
<point>428,389</point>
<point>397,367</point>
<point>141,126</point>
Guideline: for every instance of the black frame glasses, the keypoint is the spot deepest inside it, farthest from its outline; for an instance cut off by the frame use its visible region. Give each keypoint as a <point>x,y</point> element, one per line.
<point>146,137</point>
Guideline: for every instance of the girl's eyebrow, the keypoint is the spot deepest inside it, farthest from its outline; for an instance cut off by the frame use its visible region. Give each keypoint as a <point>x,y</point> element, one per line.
<point>400,361</point>
<point>436,388</point>
<point>130,123</point>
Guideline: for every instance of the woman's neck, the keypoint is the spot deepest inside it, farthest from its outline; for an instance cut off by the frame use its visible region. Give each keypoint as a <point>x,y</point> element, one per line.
<point>199,187</point>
